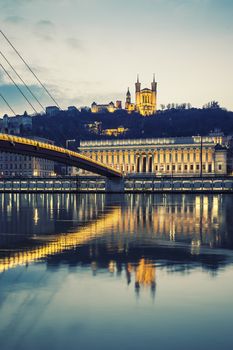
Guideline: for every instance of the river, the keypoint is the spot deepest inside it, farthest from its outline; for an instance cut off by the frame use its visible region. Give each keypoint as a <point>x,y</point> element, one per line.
<point>97,271</point>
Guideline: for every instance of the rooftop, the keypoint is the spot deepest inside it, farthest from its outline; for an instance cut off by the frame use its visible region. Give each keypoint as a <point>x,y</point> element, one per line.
<point>154,141</point>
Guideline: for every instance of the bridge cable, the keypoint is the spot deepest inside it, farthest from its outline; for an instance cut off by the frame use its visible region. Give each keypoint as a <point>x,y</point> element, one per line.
<point>21,79</point>
<point>17,86</point>
<point>29,68</point>
<point>7,104</point>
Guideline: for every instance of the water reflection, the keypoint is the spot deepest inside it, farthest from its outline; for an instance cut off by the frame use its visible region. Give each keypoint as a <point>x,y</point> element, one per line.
<point>106,271</point>
<point>116,229</point>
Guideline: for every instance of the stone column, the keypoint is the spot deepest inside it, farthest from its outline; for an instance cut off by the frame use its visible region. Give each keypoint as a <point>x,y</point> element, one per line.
<point>140,162</point>
<point>152,164</point>
<point>137,170</point>
<point>147,162</point>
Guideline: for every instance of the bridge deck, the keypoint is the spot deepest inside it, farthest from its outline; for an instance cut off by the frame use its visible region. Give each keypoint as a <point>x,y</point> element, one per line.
<point>21,145</point>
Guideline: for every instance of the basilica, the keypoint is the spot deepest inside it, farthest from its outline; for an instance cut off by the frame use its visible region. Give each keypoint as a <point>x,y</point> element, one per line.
<point>145,101</point>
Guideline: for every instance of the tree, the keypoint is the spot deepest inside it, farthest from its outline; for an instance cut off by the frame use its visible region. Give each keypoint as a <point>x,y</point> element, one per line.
<point>212,105</point>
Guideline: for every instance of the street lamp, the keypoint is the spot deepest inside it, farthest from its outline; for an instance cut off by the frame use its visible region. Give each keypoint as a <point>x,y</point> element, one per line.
<point>68,141</point>
<point>67,146</point>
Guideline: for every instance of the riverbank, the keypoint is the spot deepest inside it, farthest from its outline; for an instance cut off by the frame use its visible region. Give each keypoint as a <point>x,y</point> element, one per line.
<point>129,184</point>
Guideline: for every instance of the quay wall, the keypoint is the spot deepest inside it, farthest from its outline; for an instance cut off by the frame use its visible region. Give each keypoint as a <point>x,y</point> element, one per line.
<point>130,184</point>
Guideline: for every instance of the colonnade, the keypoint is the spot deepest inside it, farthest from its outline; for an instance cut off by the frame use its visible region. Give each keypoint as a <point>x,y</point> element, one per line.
<point>164,160</point>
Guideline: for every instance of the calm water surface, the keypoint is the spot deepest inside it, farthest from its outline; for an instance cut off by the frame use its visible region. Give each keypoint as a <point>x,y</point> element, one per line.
<point>116,272</point>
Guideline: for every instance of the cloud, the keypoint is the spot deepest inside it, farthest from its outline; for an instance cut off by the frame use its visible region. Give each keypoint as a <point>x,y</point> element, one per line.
<point>75,43</point>
<point>45,23</point>
<point>14,20</point>
<point>45,29</point>
<point>17,101</point>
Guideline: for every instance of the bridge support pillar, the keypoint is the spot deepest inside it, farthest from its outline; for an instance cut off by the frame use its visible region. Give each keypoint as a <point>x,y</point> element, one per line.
<point>114,185</point>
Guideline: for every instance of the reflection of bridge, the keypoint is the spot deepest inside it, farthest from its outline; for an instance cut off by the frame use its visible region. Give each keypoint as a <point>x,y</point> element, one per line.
<point>39,149</point>
<point>190,226</point>
<point>61,242</point>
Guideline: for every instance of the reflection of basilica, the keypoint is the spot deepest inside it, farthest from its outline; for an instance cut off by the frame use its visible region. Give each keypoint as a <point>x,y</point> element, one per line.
<point>133,230</point>
<point>143,273</point>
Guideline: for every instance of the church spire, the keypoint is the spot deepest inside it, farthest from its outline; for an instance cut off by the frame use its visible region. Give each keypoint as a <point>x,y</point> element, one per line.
<point>154,84</point>
<point>137,85</point>
<point>128,97</point>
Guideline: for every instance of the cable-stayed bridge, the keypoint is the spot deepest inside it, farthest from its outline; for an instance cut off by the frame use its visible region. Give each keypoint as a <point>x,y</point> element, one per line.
<point>34,148</point>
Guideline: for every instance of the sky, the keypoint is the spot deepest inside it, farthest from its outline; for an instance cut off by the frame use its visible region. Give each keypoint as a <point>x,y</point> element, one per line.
<point>92,50</point>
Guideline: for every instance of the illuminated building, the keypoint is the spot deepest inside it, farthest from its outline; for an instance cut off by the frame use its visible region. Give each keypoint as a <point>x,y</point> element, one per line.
<point>97,108</point>
<point>12,165</point>
<point>26,166</point>
<point>145,99</point>
<point>129,106</point>
<point>95,127</point>
<point>178,156</point>
<point>115,132</point>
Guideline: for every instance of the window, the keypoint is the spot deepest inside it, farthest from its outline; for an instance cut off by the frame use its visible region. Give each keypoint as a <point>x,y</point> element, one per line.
<point>168,167</point>
<point>191,167</point>
<point>197,167</point>
<point>186,167</point>
<point>220,167</point>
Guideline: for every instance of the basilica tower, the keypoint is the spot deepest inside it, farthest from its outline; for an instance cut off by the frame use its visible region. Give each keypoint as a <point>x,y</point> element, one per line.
<point>154,94</point>
<point>146,98</point>
<point>137,91</point>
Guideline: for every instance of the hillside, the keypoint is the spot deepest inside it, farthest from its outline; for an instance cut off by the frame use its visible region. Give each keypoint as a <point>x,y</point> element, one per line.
<point>169,123</point>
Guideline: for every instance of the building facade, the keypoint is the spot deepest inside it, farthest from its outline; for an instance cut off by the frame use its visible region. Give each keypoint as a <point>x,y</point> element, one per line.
<point>178,156</point>
<point>97,108</point>
<point>13,165</point>
<point>15,125</point>
<point>52,111</point>
<point>145,99</point>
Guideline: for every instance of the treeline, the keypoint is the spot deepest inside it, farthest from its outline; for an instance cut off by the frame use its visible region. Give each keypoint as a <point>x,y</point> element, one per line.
<point>171,122</point>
